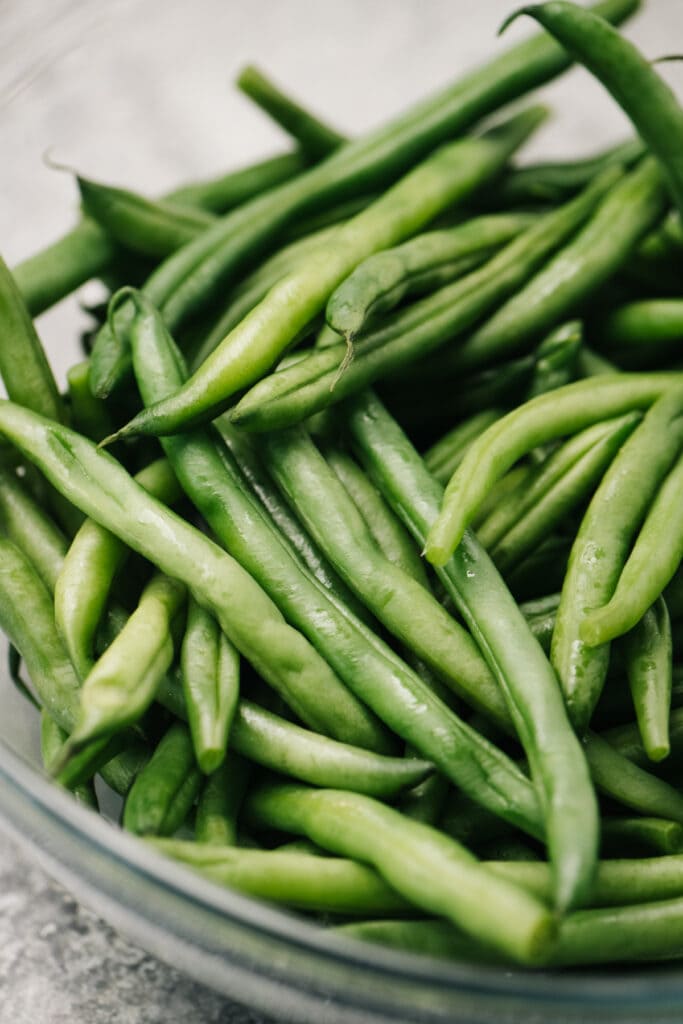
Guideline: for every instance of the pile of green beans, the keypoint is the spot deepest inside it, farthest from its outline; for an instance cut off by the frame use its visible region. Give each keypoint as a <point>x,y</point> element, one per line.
<point>243,639</point>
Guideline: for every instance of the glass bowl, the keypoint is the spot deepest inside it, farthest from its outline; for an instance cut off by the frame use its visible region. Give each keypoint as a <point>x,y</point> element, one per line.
<point>137,94</point>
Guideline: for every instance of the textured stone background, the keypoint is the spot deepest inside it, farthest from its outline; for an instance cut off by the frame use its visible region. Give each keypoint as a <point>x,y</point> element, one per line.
<point>137,93</point>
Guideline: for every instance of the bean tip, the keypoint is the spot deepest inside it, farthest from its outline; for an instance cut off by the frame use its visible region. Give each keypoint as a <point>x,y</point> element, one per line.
<point>530,10</point>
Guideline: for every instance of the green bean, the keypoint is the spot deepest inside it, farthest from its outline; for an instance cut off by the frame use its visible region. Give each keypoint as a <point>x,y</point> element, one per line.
<point>316,139</point>
<point>650,566</point>
<point>631,785</point>
<point>164,791</point>
<point>429,938</point>
<point>640,333</point>
<point>601,548</point>
<point>380,282</point>
<point>425,802</point>
<point>108,494</point>
<point>52,739</point>
<point>24,368</point>
<point>641,835</point>
<point>201,268</point>
<point>401,603</point>
<point>534,488</point>
<point>293,394</point>
<point>444,457</point>
<point>545,418</point>
<point>88,415</point>
<point>556,358</point>
<point>269,740</point>
<point>26,616</point>
<point>256,286</point>
<point>218,195</point>
<point>210,671</point>
<point>301,880</point>
<point>432,871</point>
<point>626,739</point>
<point>630,78</point>
<point>521,669</point>
<point>253,473</point>
<point>87,251</point>
<point>219,802</point>
<point>632,880</point>
<point>265,738</point>
<point>574,273</point>
<point>432,405</point>
<point>592,364</point>
<point>563,496</point>
<point>450,173</point>
<point>31,528</point>
<point>391,536</point>
<point>649,669</point>
<point>213,483</point>
<point>644,931</point>
<point>83,587</point>
<point>149,227</point>
<point>557,181</point>
<point>122,683</point>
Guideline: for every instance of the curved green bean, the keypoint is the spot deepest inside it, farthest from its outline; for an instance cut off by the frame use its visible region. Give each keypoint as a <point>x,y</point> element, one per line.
<point>255,344</point>
<point>649,670</point>
<point>631,79</point>
<point>650,566</point>
<point>545,418</point>
<point>429,869</point>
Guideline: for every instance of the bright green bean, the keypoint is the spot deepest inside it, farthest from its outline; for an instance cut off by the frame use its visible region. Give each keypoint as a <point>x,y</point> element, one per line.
<point>301,880</point>
<point>429,869</point>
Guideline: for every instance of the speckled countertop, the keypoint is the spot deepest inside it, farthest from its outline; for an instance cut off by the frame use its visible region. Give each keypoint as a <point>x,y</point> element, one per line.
<point>136,92</point>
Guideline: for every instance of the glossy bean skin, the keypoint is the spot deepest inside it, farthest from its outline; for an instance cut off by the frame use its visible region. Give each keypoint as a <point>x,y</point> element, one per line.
<point>255,344</point>
<point>650,567</point>
<point>601,547</point>
<point>429,869</point>
<point>292,394</point>
<point>95,555</point>
<point>379,283</point>
<point>631,79</point>
<point>31,528</point>
<point>358,167</point>
<point>545,418</point>
<point>532,693</point>
<point>106,492</point>
<point>86,250</point>
<point>164,791</point>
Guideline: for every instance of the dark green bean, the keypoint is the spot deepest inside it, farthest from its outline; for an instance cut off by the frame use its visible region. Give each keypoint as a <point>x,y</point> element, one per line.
<point>631,79</point>
<point>514,656</point>
<point>379,283</point>
<point>164,791</point>
<point>312,384</point>
<point>255,344</point>
<point>107,493</point>
<point>220,801</point>
<point>649,670</point>
<point>316,139</point>
<point>210,670</point>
